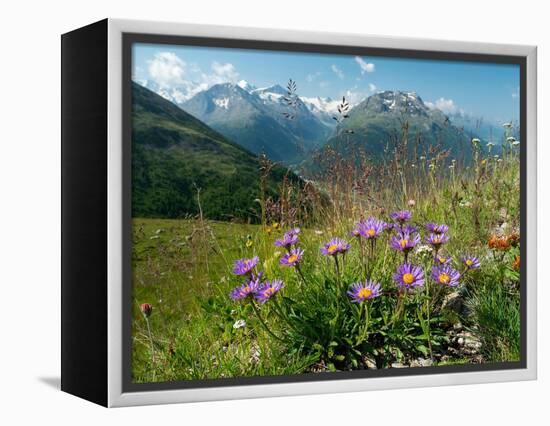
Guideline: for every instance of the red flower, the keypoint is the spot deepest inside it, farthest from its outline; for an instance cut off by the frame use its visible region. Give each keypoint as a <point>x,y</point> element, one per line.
<point>146,309</point>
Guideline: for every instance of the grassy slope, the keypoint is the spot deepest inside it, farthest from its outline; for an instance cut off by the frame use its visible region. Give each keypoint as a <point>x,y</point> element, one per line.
<point>184,269</point>
<point>174,154</point>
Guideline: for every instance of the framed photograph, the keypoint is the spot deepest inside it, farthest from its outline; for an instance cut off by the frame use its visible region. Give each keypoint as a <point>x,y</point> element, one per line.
<point>252,213</point>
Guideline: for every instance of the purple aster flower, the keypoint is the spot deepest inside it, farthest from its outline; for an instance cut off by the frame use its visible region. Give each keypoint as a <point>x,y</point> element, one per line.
<point>445,275</point>
<point>292,258</point>
<point>442,260</point>
<point>408,228</point>
<point>404,241</point>
<point>372,228</point>
<point>401,216</point>
<point>289,239</point>
<point>360,292</point>
<point>245,266</point>
<point>471,262</point>
<point>436,228</point>
<point>437,240</point>
<point>335,246</point>
<point>358,229</point>
<point>268,290</point>
<point>247,289</point>
<point>409,276</point>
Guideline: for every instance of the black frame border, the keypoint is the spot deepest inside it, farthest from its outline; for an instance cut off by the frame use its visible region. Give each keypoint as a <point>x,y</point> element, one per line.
<point>129,39</point>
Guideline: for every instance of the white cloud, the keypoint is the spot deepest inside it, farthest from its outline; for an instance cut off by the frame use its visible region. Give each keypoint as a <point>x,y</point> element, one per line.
<point>166,69</point>
<point>446,106</point>
<point>178,81</point>
<point>311,77</point>
<point>337,71</point>
<point>365,66</point>
<point>372,87</point>
<point>225,72</point>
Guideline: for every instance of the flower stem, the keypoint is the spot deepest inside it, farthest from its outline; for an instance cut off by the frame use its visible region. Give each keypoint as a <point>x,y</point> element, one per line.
<point>263,322</point>
<point>152,346</point>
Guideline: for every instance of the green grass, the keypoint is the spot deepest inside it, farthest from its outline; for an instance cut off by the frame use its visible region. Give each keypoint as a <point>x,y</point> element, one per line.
<point>184,269</point>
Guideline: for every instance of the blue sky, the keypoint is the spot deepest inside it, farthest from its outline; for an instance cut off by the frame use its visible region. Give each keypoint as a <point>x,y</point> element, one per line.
<point>490,91</point>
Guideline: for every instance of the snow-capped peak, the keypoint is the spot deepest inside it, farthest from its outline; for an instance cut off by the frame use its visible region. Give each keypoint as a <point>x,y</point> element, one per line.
<point>245,85</point>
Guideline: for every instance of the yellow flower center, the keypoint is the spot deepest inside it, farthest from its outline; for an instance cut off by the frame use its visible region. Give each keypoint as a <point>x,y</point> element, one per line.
<point>371,232</point>
<point>292,258</point>
<point>442,260</point>
<point>469,262</point>
<point>332,248</point>
<point>444,278</point>
<point>408,278</point>
<point>404,243</point>
<point>269,292</point>
<point>364,293</point>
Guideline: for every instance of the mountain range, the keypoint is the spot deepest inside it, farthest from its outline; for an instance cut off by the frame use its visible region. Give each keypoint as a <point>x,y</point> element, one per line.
<point>261,119</point>
<point>175,155</point>
<point>387,116</point>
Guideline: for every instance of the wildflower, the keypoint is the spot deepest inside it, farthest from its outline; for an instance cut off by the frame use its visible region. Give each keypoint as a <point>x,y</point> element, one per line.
<point>513,239</point>
<point>445,275</point>
<point>248,243</point>
<point>239,324</point>
<point>411,203</point>
<point>442,260</point>
<point>401,216</point>
<point>437,240</point>
<point>335,246</point>
<point>471,262</point>
<point>490,144</point>
<point>275,226</point>
<point>292,258</point>
<point>423,249</point>
<point>437,228</point>
<point>268,290</point>
<point>408,228</point>
<point>146,309</point>
<point>498,243</point>
<point>510,139</point>
<point>404,241</point>
<point>516,264</point>
<point>484,162</point>
<point>515,143</point>
<point>289,239</point>
<point>409,276</point>
<point>360,292</point>
<point>475,141</point>
<point>465,203</point>
<point>371,228</point>
<point>245,266</point>
<point>246,290</point>
<point>507,125</point>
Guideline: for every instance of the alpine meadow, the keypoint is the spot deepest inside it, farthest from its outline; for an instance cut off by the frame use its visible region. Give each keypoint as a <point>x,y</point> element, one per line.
<point>307,213</point>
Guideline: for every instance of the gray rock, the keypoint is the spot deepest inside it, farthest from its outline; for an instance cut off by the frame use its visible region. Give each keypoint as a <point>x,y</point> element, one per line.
<point>398,365</point>
<point>453,301</point>
<point>421,362</point>
<point>369,362</point>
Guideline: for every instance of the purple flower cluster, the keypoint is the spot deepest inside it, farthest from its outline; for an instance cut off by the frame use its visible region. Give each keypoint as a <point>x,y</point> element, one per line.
<point>436,228</point>
<point>268,289</point>
<point>470,262</point>
<point>369,229</point>
<point>255,288</point>
<point>363,291</point>
<point>290,238</point>
<point>409,276</point>
<point>446,275</point>
<point>335,246</point>
<point>292,258</point>
<point>404,241</point>
<point>245,266</point>
<point>401,216</point>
